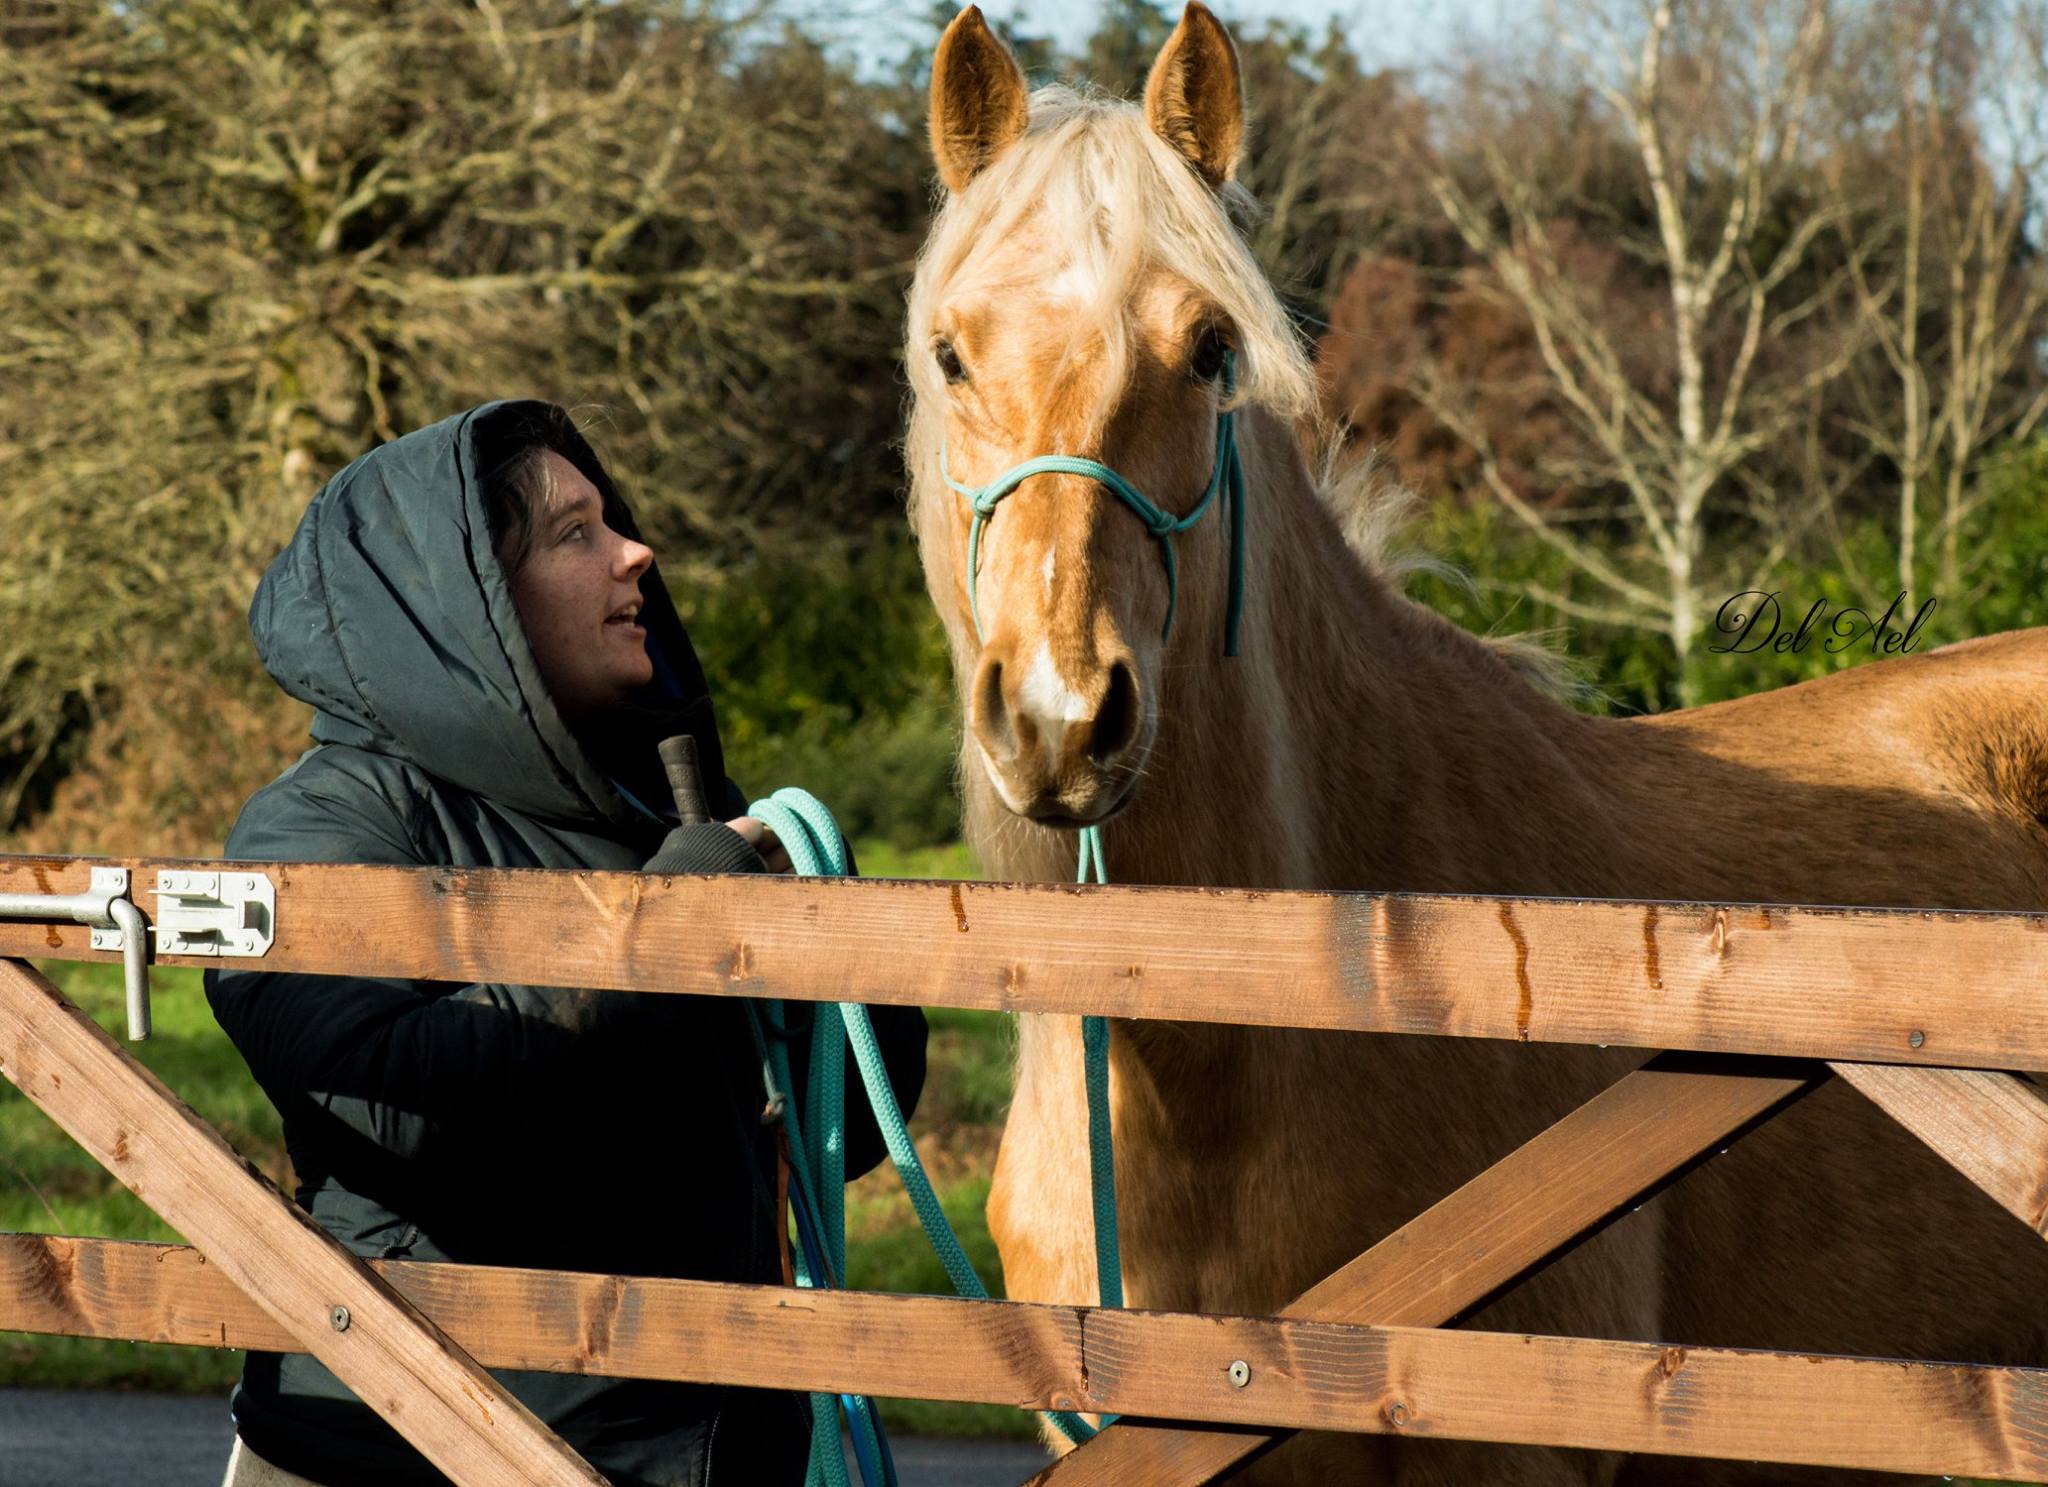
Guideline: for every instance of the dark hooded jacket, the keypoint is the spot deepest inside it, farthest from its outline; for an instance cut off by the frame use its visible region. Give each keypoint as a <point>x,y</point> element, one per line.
<point>502,1125</point>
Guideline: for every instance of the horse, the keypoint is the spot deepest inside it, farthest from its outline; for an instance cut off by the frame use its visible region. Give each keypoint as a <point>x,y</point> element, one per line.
<point>1085,290</point>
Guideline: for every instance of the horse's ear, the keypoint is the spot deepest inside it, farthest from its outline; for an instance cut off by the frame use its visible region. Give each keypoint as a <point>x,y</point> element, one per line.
<point>1194,99</point>
<point>978,100</point>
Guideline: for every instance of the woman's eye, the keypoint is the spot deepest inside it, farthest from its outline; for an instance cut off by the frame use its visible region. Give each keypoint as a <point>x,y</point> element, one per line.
<point>1207,363</point>
<point>949,361</point>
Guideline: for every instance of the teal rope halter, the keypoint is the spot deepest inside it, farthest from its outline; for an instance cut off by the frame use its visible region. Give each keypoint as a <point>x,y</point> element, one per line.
<point>1225,478</point>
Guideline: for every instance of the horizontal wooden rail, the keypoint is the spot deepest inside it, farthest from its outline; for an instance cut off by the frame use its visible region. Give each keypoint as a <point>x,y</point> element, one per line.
<point>1871,985</point>
<point>1873,1414</point>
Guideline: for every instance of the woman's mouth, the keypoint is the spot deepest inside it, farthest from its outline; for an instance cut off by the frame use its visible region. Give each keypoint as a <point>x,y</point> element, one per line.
<point>626,622</point>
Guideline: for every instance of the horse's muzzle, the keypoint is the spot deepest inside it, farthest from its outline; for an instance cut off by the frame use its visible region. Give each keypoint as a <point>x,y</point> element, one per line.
<point>1059,754</point>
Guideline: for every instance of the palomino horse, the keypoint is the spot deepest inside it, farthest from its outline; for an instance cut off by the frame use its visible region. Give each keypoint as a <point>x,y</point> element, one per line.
<point>1084,293</point>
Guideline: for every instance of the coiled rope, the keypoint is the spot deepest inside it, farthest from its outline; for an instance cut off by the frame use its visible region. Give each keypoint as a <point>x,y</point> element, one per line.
<point>817,1155</point>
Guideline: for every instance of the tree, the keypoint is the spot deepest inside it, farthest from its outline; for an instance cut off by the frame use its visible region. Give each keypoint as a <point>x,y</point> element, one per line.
<point>1709,104</point>
<point>1942,136</point>
<point>243,240</point>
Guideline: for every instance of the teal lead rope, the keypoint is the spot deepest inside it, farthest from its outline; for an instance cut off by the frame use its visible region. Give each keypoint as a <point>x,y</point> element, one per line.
<point>818,1155</point>
<point>1109,1265</point>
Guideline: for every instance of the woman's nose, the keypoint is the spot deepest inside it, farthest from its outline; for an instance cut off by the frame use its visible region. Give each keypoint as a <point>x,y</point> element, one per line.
<point>634,558</point>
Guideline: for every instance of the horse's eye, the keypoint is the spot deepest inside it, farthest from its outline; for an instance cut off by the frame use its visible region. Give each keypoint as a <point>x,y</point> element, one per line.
<point>949,361</point>
<point>1207,363</point>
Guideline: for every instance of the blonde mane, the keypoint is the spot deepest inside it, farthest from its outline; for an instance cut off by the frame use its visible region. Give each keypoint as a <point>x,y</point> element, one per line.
<point>1100,181</point>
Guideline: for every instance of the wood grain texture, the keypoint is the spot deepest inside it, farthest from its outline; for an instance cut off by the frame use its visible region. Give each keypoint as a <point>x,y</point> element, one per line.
<point>1989,1126</point>
<point>571,1322</point>
<point>1945,1418</point>
<point>396,1360</point>
<point>1540,1197</point>
<point>1869,985</point>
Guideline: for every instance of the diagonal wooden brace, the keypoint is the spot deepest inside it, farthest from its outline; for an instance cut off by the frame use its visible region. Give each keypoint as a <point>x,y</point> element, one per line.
<point>1991,1127</point>
<point>378,1343</point>
<point>1538,1199</point>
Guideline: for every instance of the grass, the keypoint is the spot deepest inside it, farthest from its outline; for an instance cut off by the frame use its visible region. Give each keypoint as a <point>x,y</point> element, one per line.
<point>48,1185</point>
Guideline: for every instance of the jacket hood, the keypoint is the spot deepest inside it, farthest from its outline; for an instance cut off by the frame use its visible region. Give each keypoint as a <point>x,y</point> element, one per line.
<point>389,614</point>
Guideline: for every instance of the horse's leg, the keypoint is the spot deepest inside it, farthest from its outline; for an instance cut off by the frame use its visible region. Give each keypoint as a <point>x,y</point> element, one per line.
<point>1039,1213</point>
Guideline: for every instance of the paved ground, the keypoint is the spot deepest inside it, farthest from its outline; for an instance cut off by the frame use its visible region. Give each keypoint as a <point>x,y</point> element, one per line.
<point>66,1438</point>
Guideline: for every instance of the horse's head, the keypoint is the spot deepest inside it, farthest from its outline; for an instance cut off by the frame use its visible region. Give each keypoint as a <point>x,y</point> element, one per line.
<point>1084,294</point>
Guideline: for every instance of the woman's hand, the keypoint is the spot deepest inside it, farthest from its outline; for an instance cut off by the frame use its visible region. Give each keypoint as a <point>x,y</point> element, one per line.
<point>763,841</point>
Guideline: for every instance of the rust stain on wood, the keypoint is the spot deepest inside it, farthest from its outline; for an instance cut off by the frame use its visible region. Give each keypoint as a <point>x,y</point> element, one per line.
<point>1652,969</point>
<point>959,910</point>
<point>54,1267</point>
<point>1525,1008</point>
<point>483,1405</point>
<point>602,1321</point>
<point>1673,1392</point>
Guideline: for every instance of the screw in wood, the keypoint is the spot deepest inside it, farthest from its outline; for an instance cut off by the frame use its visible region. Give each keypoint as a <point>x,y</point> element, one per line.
<point>1240,1374</point>
<point>1915,1038</point>
<point>339,1317</point>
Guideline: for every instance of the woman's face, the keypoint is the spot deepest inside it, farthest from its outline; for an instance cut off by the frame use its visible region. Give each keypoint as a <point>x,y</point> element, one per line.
<point>578,595</point>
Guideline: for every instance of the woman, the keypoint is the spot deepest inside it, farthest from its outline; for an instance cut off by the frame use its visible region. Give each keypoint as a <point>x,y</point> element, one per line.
<point>492,660</point>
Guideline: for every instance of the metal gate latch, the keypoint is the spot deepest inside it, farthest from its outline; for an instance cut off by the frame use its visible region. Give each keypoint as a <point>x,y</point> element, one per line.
<point>197,913</point>
<point>116,925</point>
<point>213,913</point>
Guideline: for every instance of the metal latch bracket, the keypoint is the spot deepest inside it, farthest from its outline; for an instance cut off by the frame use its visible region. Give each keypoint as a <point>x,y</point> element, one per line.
<point>224,914</point>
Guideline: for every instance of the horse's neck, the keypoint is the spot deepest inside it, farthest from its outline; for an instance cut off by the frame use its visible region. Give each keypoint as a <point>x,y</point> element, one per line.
<point>1358,741</point>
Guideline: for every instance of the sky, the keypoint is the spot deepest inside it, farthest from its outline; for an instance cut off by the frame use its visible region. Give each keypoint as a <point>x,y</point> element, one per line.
<point>1385,33</point>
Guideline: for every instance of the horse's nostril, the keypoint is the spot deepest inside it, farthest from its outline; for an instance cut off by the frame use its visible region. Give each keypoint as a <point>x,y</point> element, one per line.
<point>1116,721</point>
<point>992,713</point>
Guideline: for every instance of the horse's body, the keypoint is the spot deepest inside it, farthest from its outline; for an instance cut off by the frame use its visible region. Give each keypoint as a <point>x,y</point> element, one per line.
<point>1363,742</point>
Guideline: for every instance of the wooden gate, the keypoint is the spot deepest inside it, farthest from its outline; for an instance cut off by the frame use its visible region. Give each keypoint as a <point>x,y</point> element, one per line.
<point>1919,1010</point>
